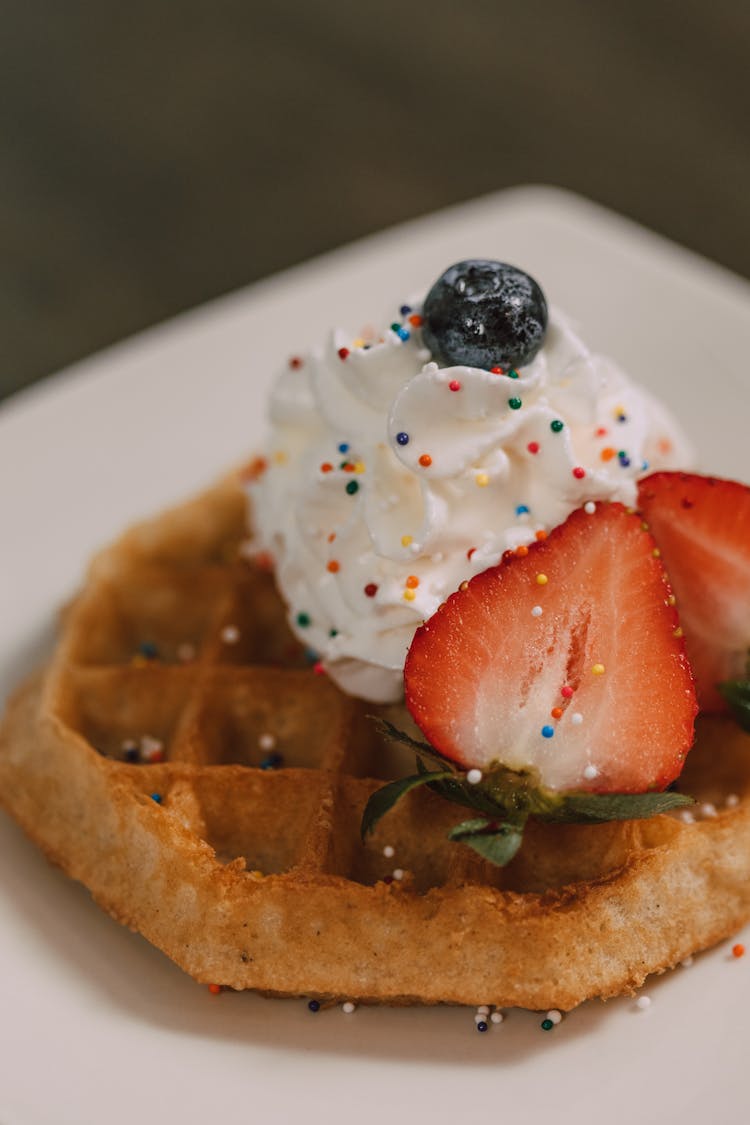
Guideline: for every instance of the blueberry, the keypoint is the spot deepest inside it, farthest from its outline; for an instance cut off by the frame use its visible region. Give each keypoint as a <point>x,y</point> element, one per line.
<point>484,314</point>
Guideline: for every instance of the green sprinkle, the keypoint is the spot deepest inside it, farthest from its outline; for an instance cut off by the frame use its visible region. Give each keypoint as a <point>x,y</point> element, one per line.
<point>303,620</point>
<point>512,374</point>
<point>515,403</point>
<point>352,487</point>
<point>556,426</point>
<point>547,1025</point>
<point>395,326</point>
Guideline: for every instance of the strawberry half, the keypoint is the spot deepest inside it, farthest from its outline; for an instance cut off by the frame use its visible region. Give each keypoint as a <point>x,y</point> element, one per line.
<point>702,526</point>
<point>566,659</point>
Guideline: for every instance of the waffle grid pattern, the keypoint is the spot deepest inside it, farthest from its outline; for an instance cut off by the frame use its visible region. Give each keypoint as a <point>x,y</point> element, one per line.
<point>189,766</point>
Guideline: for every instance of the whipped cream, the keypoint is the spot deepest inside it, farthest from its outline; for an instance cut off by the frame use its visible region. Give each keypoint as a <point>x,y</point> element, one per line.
<point>390,480</point>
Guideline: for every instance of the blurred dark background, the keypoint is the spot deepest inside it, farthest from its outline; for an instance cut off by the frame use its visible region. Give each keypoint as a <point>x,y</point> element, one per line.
<point>155,154</point>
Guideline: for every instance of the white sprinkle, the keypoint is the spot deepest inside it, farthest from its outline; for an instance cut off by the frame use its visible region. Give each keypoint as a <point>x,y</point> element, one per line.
<point>643,1002</point>
<point>497,1017</point>
<point>483,1010</point>
<point>474,777</point>
<point>589,507</point>
<point>267,741</point>
<point>480,1017</point>
<point>186,653</point>
<point>687,817</point>
<point>708,809</point>
<point>687,962</point>
<point>389,851</point>
<point>536,611</point>
<point>590,773</point>
<point>348,1007</point>
<point>151,747</point>
<point>554,1015</point>
<point>732,801</point>
<point>415,548</point>
<point>398,874</point>
<point>576,718</point>
<point>230,634</point>
<point>438,558</point>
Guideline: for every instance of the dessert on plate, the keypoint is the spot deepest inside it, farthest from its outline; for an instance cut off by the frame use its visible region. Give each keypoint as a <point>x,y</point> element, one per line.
<point>470,542</point>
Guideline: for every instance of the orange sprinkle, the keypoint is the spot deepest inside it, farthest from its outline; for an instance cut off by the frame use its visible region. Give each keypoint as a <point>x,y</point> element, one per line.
<point>348,467</point>
<point>333,566</point>
<point>608,453</point>
<point>331,537</point>
<point>425,460</point>
<point>521,551</point>
<point>326,467</point>
<point>738,950</point>
<point>416,320</point>
<point>665,445</point>
<point>556,712</point>
<point>412,581</point>
<point>264,561</point>
<point>254,469</point>
<point>214,989</point>
<point>541,534</point>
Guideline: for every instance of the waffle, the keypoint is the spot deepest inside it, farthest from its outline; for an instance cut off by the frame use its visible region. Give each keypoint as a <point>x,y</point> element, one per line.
<point>244,864</point>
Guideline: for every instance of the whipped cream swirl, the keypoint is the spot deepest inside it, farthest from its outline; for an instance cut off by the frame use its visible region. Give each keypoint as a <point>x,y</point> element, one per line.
<point>390,480</point>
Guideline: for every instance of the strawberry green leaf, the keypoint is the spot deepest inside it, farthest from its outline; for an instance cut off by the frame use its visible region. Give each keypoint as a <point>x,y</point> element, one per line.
<point>496,842</point>
<point>382,800</point>
<point>737,695</point>
<point>391,733</point>
<point>596,808</point>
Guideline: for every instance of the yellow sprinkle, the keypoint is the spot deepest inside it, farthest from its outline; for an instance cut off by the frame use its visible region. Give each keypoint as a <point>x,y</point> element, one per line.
<point>598,669</point>
<point>644,526</point>
<point>671,600</point>
<point>656,553</point>
<point>358,343</point>
<point>359,466</point>
<point>409,595</point>
<point>678,631</point>
<point>406,540</point>
<point>542,579</point>
<point>280,457</point>
<point>464,586</point>
<point>482,479</point>
<point>139,661</point>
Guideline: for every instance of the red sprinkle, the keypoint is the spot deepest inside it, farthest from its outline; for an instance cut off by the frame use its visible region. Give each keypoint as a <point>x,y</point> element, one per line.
<point>295,362</point>
<point>470,552</point>
<point>454,385</point>
<point>343,353</point>
<point>425,460</point>
<point>738,950</point>
<point>318,668</point>
<point>371,589</point>
<point>566,691</point>
<point>497,370</point>
<point>214,989</point>
<point>533,447</point>
<point>579,473</point>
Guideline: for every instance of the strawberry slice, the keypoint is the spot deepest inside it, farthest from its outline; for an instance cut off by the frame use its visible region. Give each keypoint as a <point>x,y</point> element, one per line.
<point>566,658</point>
<point>702,526</point>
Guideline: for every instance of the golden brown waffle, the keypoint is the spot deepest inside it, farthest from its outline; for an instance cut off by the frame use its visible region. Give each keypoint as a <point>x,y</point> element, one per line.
<point>255,877</point>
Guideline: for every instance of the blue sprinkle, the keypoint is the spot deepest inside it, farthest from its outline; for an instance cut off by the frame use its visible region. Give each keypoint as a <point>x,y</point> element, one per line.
<point>156,797</point>
<point>311,655</point>
<point>131,754</point>
<point>272,762</point>
<point>344,447</point>
<point>482,1025</point>
<point>405,310</point>
<point>547,732</point>
<point>148,649</point>
<point>622,417</point>
<point>624,461</point>
<point>403,334</point>
<point>314,1005</point>
<point>402,438</point>
<point>522,510</point>
<point>644,466</point>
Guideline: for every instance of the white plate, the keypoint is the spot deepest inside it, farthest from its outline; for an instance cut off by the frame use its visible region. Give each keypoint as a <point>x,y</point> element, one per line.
<point>99,1027</point>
